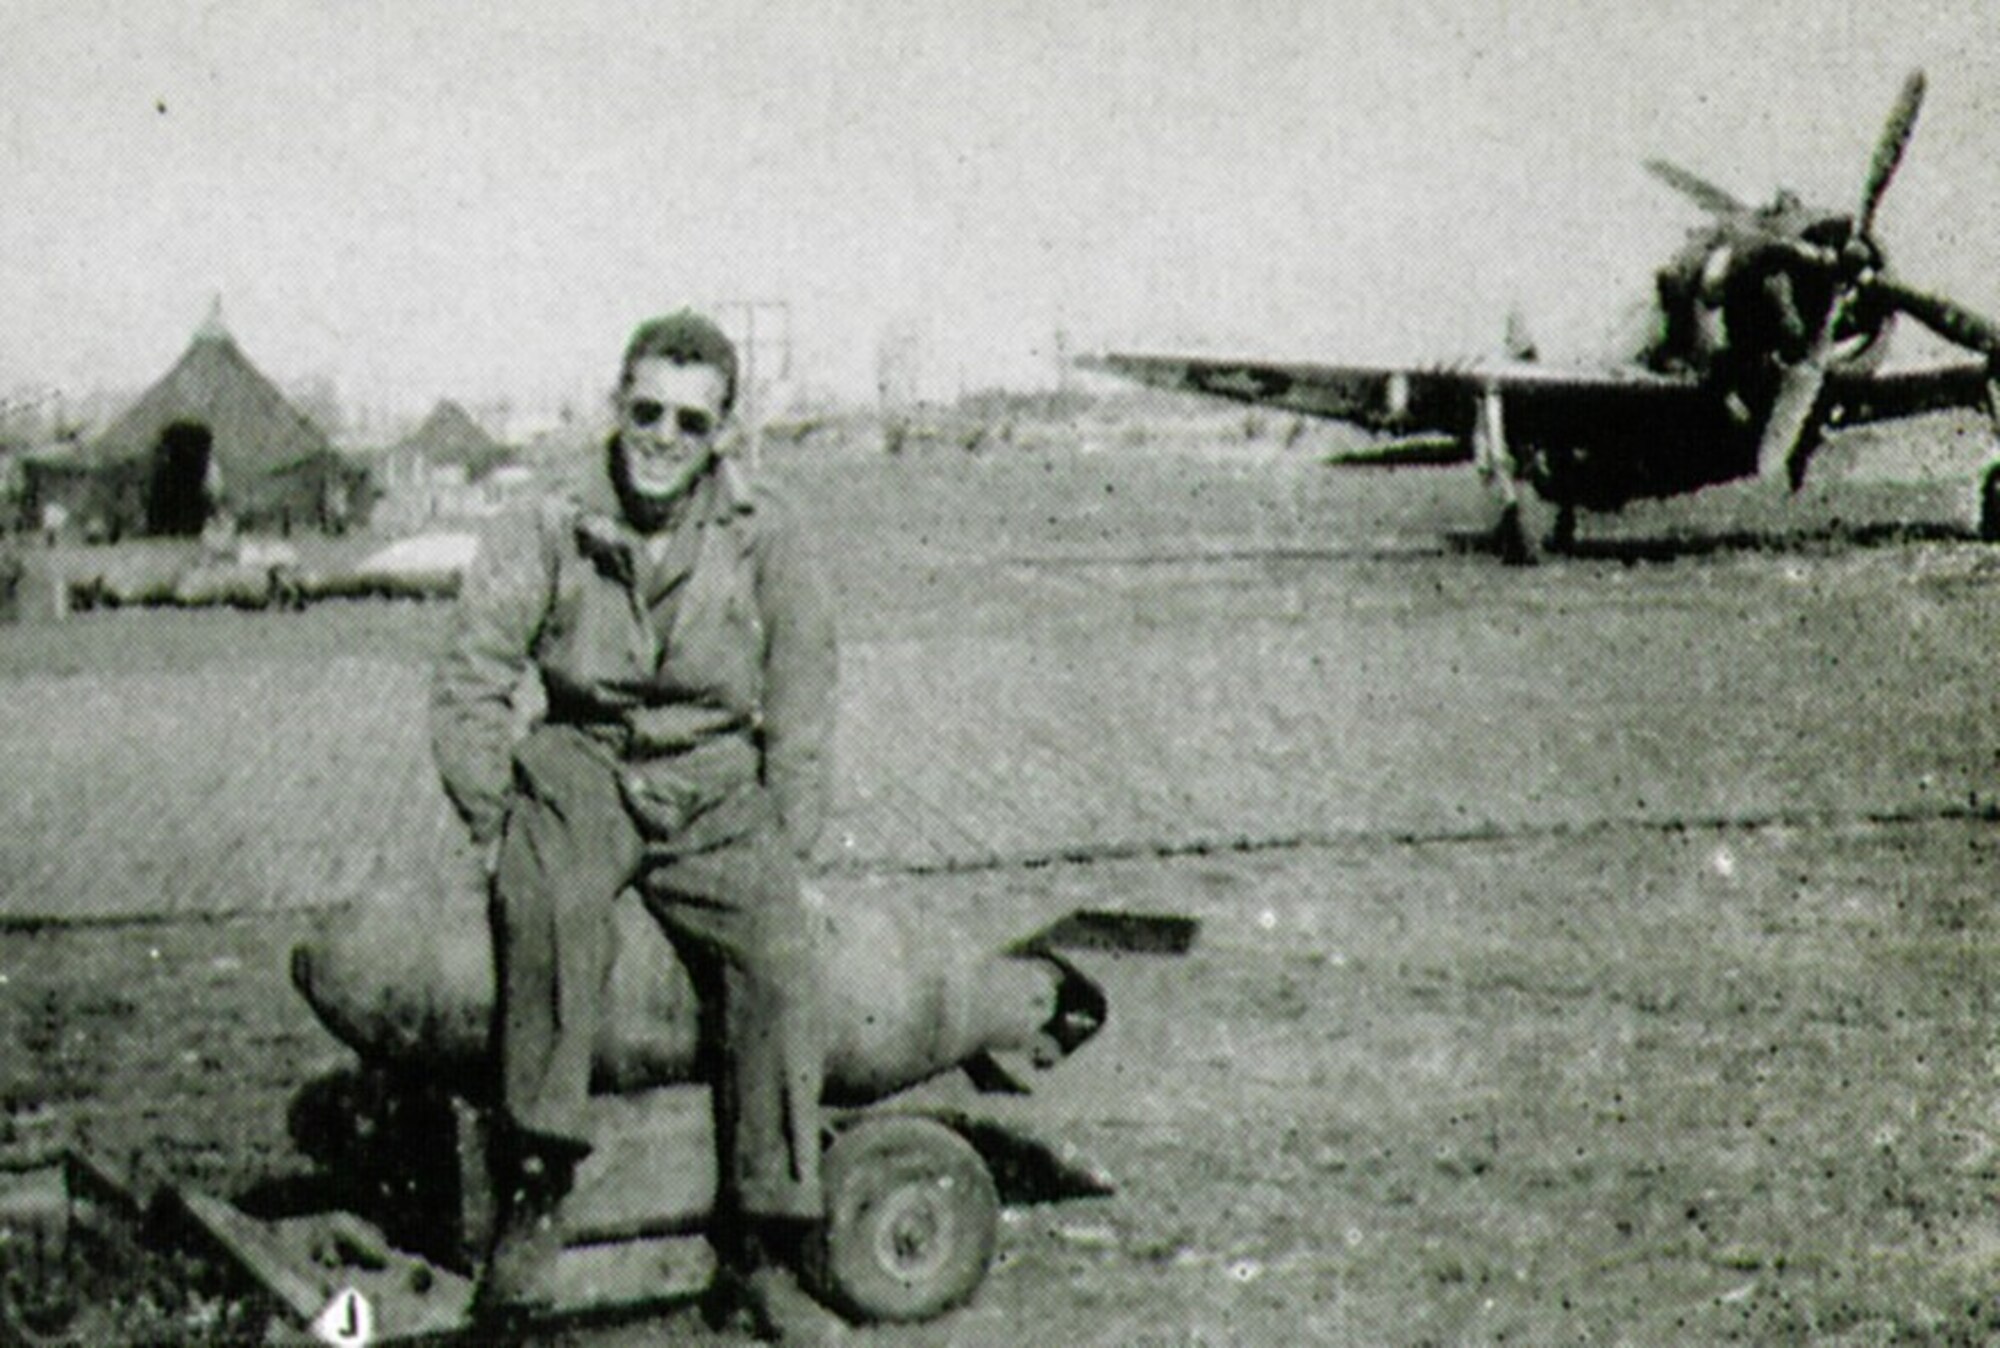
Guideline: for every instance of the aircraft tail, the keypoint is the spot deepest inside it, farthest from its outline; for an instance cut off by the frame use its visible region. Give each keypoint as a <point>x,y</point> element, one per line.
<point>1520,341</point>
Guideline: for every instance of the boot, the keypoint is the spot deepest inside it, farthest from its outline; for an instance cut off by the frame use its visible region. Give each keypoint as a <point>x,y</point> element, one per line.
<point>518,1279</point>
<point>758,1291</point>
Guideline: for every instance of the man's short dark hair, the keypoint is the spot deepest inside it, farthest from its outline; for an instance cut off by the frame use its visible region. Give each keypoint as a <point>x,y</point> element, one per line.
<point>685,338</point>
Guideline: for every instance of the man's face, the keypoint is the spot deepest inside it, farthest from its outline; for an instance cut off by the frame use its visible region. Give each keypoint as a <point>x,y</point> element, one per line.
<point>668,418</point>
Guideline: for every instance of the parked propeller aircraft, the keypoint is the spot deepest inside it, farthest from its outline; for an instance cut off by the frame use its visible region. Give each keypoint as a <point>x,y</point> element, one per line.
<point>1771,328</point>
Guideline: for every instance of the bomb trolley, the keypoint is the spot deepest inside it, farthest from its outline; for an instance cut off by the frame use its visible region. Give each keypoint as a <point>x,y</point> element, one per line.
<point>382,1245</point>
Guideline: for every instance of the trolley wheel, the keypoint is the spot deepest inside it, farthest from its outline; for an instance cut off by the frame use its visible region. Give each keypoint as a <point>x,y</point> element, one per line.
<point>912,1217</point>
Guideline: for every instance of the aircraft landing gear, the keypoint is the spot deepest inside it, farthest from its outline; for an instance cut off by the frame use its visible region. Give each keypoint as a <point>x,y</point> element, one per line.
<point>1514,536</point>
<point>1563,537</point>
<point>1518,539</point>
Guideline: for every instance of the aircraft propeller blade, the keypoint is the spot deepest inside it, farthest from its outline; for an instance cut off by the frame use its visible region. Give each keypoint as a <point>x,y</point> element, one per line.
<point>1889,151</point>
<point>1947,318</point>
<point>1799,387</point>
<point>1798,393</point>
<point>1705,194</point>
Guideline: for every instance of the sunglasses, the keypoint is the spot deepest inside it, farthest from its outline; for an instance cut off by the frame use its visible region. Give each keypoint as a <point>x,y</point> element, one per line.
<point>693,422</point>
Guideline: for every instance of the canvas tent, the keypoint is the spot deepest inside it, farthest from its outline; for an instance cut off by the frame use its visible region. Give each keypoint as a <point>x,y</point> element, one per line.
<point>213,434</point>
<point>449,437</point>
<point>447,468</point>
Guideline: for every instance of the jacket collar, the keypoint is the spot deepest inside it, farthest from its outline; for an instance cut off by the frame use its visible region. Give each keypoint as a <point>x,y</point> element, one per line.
<point>607,538</point>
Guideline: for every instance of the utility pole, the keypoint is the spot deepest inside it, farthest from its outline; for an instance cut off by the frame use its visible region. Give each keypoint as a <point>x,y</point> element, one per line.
<point>740,318</point>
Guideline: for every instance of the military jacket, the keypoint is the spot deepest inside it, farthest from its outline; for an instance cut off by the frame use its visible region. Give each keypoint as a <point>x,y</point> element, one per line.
<point>702,662</point>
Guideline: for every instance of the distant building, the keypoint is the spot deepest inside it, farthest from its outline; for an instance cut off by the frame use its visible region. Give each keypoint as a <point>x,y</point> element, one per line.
<point>448,468</point>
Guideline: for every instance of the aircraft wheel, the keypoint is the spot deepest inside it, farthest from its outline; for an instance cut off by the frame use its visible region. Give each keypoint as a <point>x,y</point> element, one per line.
<point>912,1217</point>
<point>1989,505</point>
<point>1514,537</point>
<point>1562,538</point>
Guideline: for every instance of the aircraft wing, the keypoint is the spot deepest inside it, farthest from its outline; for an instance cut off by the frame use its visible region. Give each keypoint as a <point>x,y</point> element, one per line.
<point>1856,397</point>
<point>1425,406</point>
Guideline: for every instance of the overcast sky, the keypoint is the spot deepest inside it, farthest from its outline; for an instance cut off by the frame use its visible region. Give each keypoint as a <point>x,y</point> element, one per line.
<point>412,201</point>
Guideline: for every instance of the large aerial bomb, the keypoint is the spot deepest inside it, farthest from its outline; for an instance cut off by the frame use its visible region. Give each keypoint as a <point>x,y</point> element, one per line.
<point>410,987</point>
<point>405,1139</point>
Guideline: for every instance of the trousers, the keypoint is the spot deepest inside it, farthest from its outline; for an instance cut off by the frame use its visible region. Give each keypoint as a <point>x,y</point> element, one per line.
<point>722,881</point>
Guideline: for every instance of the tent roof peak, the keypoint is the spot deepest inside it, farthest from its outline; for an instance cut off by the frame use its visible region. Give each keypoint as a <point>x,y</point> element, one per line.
<point>212,328</point>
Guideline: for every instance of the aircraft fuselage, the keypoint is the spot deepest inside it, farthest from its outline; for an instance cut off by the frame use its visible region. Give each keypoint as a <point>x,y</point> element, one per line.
<point>1602,453</point>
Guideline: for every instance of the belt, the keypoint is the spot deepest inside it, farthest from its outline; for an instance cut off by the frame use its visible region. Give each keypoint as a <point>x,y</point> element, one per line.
<point>660,732</point>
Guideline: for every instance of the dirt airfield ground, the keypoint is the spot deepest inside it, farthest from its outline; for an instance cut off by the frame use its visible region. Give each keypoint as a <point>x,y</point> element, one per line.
<point>1597,953</point>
